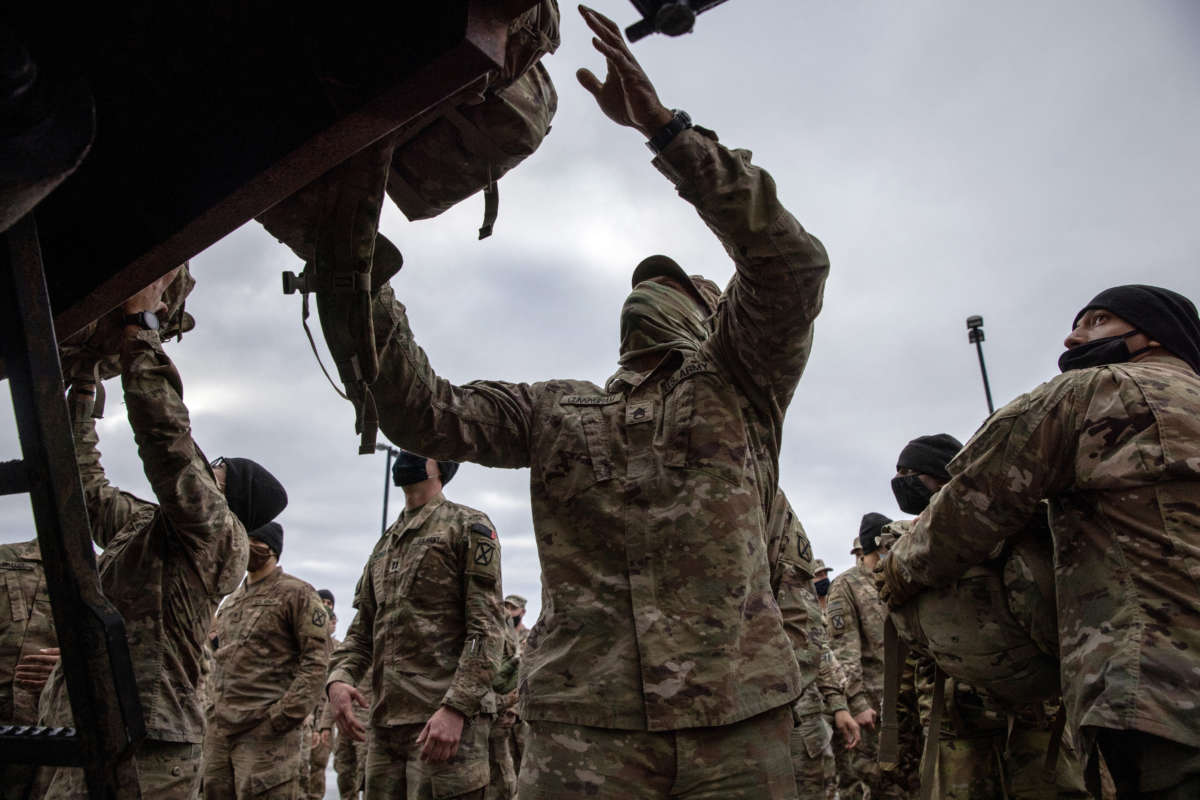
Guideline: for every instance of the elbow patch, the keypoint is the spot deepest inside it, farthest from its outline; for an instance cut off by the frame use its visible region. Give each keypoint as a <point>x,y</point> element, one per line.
<point>483,554</point>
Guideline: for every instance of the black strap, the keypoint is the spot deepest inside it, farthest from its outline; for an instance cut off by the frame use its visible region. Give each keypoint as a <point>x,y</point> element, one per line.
<point>1050,767</point>
<point>313,345</point>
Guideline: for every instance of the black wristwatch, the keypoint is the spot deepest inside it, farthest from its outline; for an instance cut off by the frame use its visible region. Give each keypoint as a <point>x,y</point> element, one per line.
<point>680,121</point>
<point>143,319</point>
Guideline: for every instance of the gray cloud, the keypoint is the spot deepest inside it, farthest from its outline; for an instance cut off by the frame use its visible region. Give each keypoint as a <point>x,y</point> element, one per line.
<point>1008,160</point>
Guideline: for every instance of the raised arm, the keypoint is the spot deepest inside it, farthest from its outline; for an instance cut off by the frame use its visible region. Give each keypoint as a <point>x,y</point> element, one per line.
<point>486,422</point>
<point>764,323</point>
<point>109,509</point>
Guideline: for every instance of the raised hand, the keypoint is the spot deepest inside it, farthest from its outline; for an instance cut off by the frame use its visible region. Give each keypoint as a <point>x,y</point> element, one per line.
<point>626,94</point>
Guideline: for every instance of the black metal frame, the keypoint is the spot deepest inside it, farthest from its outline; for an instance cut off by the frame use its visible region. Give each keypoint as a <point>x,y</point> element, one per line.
<point>91,633</point>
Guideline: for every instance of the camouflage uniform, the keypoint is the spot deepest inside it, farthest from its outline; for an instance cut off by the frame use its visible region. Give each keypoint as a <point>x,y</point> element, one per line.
<point>649,497</point>
<point>856,617</point>
<point>429,621</point>
<point>165,568</point>
<point>318,753</point>
<point>1116,451</point>
<point>272,654</point>
<point>26,627</point>
<point>349,756</point>
<point>790,556</point>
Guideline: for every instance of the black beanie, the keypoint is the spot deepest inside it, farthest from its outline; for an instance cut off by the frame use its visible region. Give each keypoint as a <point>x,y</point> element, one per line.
<point>325,594</point>
<point>1165,316</point>
<point>254,495</point>
<point>929,455</point>
<point>271,535</point>
<point>869,530</point>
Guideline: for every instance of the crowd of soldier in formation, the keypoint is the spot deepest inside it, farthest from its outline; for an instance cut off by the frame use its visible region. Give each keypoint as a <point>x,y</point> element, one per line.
<point>682,650</point>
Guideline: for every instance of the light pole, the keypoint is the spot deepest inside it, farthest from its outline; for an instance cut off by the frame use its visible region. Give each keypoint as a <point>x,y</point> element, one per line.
<point>387,482</point>
<point>975,337</point>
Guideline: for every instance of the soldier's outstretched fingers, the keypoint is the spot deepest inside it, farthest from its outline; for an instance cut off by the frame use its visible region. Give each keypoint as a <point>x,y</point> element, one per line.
<point>343,697</point>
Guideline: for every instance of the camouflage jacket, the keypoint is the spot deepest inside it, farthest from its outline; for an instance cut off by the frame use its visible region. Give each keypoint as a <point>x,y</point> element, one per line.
<point>1116,452</point>
<point>272,654</point>
<point>429,616</point>
<point>649,495</point>
<point>856,617</point>
<point>790,556</point>
<point>26,625</point>
<point>165,567</point>
<point>322,715</point>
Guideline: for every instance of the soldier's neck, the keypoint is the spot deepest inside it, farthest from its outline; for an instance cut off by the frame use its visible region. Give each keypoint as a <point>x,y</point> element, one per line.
<point>262,572</point>
<point>418,494</point>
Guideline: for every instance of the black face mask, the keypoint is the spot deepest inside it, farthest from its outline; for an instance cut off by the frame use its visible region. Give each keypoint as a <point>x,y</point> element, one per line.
<point>1098,352</point>
<point>911,495</point>
<point>822,586</point>
<point>409,469</point>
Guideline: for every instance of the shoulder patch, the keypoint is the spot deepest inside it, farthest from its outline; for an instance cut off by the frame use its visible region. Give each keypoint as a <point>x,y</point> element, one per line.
<point>838,621</point>
<point>319,616</point>
<point>483,555</point>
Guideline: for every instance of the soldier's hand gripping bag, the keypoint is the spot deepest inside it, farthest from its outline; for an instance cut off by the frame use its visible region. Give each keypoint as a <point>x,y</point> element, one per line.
<point>467,143</point>
<point>996,626</point>
<point>95,351</point>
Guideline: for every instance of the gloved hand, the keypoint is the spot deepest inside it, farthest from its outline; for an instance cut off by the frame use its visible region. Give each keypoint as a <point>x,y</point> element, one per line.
<point>894,588</point>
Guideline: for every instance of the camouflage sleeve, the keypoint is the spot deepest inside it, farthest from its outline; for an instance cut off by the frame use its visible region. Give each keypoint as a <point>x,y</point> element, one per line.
<point>109,509</point>
<point>350,662</point>
<point>178,472</point>
<point>1023,453</point>
<point>484,641</point>
<point>829,680</point>
<point>485,422</point>
<point>764,324</point>
<point>308,618</point>
<point>846,643</point>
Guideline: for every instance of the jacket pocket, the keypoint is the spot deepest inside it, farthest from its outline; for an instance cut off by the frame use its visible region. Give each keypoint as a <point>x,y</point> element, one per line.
<point>579,452</point>
<point>703,428</point>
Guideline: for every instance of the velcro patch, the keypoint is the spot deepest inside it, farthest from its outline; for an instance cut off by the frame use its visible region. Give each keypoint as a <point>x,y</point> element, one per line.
<point>483,557</point>
<point>319,617</point>
<point>838,622</point>
<point>482,530</point>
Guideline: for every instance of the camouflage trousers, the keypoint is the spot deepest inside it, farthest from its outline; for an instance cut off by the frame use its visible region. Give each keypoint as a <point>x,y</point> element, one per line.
<point>503,783</point>
<point>1004,765</point>
<point>350,764</point>
<point>318,758</point>
<point>749,759</point>
<point>812,758</point>
<point>859,774</point>
<point>166,771</point>
<point>256,763</point>
<point>395,770</point>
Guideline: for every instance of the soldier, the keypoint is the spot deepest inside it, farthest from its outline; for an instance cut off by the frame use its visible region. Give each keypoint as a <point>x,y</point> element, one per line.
<point>790,556</point>
<point>164,566</point>
<point>1113,445</point>
<point>503,784</point>
<point>273,654</point>
<point>514,606</point>
<point>320,735</point>
<point>821,583</point>
<point>985,748</point>
<point>429,620</point>
<point>659,633</point>
<point>856,618</point>
<point>28,652</point>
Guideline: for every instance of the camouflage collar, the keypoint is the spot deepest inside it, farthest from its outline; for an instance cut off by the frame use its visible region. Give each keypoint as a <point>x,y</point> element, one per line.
<point>406,523</point>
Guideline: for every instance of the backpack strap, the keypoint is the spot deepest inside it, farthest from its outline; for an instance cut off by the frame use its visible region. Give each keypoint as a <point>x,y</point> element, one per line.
<point>895,651</point>
<point>1050,767</point>
<point>929,759</point>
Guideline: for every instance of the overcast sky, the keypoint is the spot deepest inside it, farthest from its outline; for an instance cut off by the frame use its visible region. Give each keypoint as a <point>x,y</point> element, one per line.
<point>1008,159</point>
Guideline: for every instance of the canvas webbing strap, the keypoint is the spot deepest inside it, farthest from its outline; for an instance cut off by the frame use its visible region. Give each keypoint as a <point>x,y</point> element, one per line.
<point>895,652</point>
<point>929,760</point>
<point>1050,767</point>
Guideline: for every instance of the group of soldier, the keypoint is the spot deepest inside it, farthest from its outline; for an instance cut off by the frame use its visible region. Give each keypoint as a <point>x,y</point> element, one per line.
<point>682,650</point>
